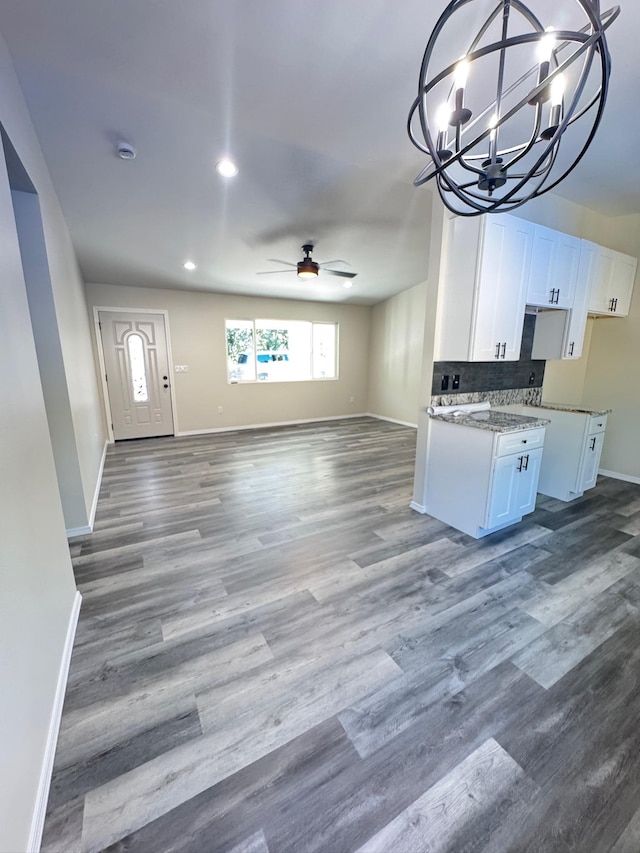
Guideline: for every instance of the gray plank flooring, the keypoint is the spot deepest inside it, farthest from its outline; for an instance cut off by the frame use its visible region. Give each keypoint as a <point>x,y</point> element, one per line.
<point>276,655</point>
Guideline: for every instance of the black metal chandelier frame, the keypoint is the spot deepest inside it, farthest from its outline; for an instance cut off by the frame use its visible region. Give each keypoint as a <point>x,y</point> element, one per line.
<point>492,172</point>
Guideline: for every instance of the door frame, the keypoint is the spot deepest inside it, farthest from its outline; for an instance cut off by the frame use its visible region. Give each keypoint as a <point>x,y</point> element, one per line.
<point>102,365</point>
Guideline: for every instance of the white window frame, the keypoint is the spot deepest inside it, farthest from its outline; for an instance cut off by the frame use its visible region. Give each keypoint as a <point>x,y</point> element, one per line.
<point>230,321</point>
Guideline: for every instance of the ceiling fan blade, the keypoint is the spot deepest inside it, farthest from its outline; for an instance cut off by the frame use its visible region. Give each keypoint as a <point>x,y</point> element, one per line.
<point>339,272</point>
<point>336,261</point>
<point>285,263</point>
<point>275,272</point>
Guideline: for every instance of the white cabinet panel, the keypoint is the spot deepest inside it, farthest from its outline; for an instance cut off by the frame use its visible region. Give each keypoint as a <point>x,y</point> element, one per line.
<point>483,289</point>
<point>514,487</point>
<point>553,271</point>
<point>622,281</point>
<point>613,277</point>
<point>560,334</point>
<point>591,461</point>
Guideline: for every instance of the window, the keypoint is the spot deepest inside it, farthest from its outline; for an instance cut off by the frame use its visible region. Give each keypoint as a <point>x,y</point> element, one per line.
<point>138,370</point>
<point>280,350</point>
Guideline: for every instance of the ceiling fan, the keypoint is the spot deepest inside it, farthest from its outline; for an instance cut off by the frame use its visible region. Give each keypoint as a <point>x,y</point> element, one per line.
<point>308,268</point>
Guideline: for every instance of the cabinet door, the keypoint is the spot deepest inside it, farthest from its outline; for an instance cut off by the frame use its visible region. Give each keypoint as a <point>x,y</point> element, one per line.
<point>541,284</point>
<point>501,289</point>
<point>504,490</point>
<point>590,461</point>
<point>554,268</point>
<point>527,483</point>
<point>601,281</point>
<point>514,487</point>
<point>621,286</point>
<point>576,327</point>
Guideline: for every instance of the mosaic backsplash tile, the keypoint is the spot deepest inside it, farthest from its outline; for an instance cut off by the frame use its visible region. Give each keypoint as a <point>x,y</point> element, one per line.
<point>490,375</point>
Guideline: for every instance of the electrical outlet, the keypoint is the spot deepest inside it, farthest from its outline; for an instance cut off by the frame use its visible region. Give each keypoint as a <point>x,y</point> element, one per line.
<point>456,381</point>
<point>352,399</point>
<point>182,368</point>
<point>444,382</point>
<point>219,410</point>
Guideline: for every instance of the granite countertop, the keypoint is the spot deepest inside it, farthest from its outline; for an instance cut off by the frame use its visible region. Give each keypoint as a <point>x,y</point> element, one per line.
<point>562,407</point>
<point>493,420</point>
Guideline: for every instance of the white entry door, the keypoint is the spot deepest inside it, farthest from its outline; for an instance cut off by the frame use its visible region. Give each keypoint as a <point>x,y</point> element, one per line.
<point>137,367</point>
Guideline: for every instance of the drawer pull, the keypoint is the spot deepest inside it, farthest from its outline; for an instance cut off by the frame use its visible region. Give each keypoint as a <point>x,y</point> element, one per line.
<point>593,444</point>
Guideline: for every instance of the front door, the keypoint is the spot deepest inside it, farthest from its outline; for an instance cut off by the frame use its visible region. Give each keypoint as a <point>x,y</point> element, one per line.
<point>137,367</point>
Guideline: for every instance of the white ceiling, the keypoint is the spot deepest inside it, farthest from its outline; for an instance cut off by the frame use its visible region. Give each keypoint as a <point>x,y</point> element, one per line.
<point>311,99</point>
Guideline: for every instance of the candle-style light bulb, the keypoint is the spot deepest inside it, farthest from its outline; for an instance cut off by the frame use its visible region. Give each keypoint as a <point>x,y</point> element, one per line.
<point>557,94</point>
<point>462,73</point>
<point>443,118</point>
<point>546,46</point>
<point>460,114</point>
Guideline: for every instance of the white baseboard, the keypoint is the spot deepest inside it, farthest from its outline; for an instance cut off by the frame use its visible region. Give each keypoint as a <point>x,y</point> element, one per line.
<point>78,531</point>
<point>392,420</point>
<point>271,425</point>
<point>88,528</point>
<point>418,507</point>
<point>40,808</point>
<point>96,493</point>
<point>617,476</point>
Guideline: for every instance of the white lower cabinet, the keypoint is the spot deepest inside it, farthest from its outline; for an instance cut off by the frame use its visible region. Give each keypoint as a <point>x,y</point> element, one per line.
<point>572,451</point>
<point>478,480</point>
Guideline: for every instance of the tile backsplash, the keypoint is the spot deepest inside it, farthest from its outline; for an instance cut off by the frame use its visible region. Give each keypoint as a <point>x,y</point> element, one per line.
<point>481,377</point>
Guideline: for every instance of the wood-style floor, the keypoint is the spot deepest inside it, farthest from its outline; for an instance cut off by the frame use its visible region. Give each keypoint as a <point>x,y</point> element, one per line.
<point>276,654</point>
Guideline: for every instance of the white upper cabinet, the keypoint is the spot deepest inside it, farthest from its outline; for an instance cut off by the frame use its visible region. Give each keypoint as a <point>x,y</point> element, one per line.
<point>483,288</point>
<point>613,277</point>
<point>553,273</point>
<point>560,334</point>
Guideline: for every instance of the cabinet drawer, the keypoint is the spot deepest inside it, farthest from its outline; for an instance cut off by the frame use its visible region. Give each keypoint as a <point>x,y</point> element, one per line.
<point>597,424</point>
<point>513,442</point>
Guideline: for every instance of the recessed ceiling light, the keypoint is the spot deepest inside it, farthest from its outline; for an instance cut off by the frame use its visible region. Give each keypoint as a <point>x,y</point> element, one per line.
<point>347,284</point>
<point>227,168</point>
<point>189,265</point>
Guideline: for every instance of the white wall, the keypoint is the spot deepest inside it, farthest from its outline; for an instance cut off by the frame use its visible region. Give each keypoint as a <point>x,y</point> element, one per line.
<point>69,301</point>
<point>197,331</point>
<point>395,357</point>
<point>37,591</point>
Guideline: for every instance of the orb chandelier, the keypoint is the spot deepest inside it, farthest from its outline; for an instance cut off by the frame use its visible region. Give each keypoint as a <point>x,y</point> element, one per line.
<point>493,119</point>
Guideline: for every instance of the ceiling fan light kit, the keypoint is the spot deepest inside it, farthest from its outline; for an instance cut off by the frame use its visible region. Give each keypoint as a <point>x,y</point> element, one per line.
<point>494,145</point>
<point>307,268</point>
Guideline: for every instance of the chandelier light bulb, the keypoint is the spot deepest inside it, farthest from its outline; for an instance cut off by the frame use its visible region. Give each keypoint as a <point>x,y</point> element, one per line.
<point>546,46</point>
<point>462,73</point>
